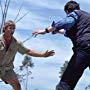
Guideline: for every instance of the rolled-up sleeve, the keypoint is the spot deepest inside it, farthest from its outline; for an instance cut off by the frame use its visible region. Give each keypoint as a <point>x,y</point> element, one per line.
<point>22,49</point>
<point>65,23</point>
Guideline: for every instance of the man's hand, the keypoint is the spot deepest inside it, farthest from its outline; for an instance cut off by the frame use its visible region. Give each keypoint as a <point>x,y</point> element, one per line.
<point>48,53</point>
<point>35,33</point>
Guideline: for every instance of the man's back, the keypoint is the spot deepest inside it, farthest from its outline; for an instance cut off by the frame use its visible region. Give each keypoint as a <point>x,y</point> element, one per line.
<point>83,25</point>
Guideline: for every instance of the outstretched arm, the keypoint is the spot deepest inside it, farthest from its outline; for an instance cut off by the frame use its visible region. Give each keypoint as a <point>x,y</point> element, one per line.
<point>43,31</point>
<point>40,54</point>
<point>23,50</point>
<point>56,27</point>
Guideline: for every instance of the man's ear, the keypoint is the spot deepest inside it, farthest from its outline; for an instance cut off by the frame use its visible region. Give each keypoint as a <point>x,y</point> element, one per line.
<point>67,12</point>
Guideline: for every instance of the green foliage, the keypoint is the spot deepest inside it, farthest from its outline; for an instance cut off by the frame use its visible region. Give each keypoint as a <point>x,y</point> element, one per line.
<point>87,87</point>
<point>27,61</point>
<point>26,66</point>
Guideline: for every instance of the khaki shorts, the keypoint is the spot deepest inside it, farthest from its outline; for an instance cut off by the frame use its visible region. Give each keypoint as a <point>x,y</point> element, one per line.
<point>9,75</point>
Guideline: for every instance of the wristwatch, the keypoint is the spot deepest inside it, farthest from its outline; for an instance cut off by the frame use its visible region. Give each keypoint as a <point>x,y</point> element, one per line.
<point>46,30</point>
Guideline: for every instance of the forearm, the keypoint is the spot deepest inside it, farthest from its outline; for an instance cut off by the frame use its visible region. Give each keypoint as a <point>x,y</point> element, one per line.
<point>35,53</point>
<point>46,30</point>
<point>62,31</point>
<point>50,29</point>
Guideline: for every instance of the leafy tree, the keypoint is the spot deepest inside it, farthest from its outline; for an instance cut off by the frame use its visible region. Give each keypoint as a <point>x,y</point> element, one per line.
<point>26,66</point>
<point>87,87</point>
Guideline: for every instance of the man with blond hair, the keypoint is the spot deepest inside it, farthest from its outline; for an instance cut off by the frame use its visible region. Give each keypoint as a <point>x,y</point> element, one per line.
<point>9,46</point>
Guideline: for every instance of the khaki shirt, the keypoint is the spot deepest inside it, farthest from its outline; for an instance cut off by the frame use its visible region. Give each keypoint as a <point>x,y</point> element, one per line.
<point>7,57</point>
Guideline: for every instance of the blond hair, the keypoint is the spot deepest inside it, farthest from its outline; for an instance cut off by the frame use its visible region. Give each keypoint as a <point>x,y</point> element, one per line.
<point>9,23</point>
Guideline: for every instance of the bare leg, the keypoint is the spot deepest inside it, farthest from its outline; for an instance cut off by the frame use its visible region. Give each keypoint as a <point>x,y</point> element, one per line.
<point>15,84</point>
<point>10,77</point>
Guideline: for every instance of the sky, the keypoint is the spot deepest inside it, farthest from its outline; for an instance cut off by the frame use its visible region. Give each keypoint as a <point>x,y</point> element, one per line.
<point>42,13</point>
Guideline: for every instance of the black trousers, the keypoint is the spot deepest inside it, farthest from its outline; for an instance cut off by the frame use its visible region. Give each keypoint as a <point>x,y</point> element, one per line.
<point>77,64</point>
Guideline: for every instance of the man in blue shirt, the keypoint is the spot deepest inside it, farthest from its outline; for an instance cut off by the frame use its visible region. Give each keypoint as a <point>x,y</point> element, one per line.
<point>76,26</point>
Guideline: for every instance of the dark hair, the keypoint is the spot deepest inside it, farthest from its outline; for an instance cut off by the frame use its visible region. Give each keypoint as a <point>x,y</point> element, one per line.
<point>70,6</point>
<point>8,23</point>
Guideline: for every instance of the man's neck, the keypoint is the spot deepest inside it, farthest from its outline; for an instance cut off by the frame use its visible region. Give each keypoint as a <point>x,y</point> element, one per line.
<point>7,37</point>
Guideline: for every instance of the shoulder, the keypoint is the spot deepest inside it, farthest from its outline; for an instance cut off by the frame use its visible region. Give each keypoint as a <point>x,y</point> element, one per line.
<point>73,15</point>
<point>16,40</point>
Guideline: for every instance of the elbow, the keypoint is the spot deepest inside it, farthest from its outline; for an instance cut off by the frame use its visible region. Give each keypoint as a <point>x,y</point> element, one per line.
<point>28,52</point>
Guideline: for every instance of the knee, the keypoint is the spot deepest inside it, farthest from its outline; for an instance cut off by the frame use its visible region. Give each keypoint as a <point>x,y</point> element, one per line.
<point>16,86</point>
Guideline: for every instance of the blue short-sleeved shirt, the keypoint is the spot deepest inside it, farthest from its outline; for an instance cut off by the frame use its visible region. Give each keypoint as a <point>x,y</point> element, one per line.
<point>65,23</point>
